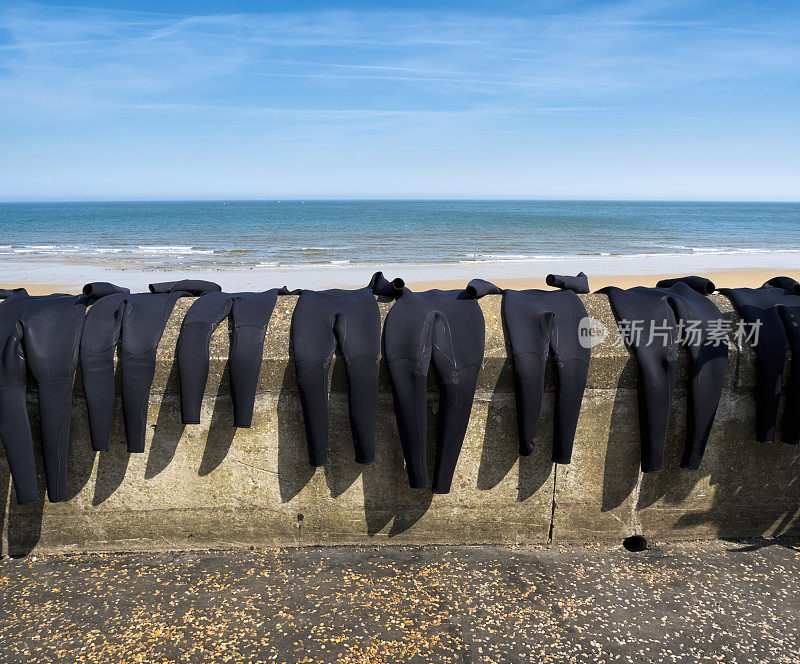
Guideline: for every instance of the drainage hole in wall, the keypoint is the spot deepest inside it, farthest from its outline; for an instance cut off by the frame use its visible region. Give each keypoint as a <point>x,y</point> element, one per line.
<point>635,543</point>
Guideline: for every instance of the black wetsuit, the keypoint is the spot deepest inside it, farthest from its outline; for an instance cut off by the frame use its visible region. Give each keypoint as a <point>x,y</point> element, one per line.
<point>134,323</point>
<point>539,322</point>
<point>775,307</point>
<point>787,283</point>
<point>578,284</point>
<point>249,315</point>
<point>40,336</point>
<point>656,346</point>
<point>8,292</point>
<point>448,328</point>
<point>351,318</point>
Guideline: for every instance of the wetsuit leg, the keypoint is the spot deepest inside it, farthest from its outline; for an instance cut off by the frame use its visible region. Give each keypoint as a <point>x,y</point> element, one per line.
<point>443,327</point>
<point>143,323</point>
<point>250,316</point>
<point>407,350</point>
<point>456,392</point>
<point>770,362</point>
<point>15,428</point>
<point>457,352</point>
<point>656,350</point>
<point>358,330</point>
<point>529,328</point>
<point>708,361</point>
<point>757,307</point>
<point>539,322</point>
<point>203,317</point>
<point>98,344</point>
<point>791,408</point>
<point>572,370</point>
<point>409,382</point>
<point>51,342</point>
<point>656,375</point>
<point>314,345</point>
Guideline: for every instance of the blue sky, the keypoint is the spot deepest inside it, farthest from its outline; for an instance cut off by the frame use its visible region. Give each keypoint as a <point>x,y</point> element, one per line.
<point>176,100</point>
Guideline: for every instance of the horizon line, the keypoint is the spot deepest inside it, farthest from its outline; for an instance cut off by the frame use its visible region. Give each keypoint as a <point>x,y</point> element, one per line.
<point>292,199</point>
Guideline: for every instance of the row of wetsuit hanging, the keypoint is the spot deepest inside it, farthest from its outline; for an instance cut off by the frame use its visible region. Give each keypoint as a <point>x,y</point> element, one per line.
<point>47,336</point>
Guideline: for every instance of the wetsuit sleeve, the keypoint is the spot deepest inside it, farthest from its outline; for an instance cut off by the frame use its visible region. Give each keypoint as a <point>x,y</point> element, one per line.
<point>791,417</point>
<point>656,361</point>
<point>99,341</point>
<point>579,283</point>
<point>477,288</point>
<point>203,317</point>
<point>15,428</point>
<point>191,286</point>
<point>99,289</point>
<point>758,307</point>
<point>787,283</point>
<point>380,285</point>
<point>700,284</point>
<point>530,330</point>
<point>250,314</point>
<point>8,292</point>
<point>142,327</point>
<point>51,341</point>
<point>708,362</point>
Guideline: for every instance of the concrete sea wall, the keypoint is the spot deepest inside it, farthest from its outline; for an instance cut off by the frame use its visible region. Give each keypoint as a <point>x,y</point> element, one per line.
<point>211,485</point>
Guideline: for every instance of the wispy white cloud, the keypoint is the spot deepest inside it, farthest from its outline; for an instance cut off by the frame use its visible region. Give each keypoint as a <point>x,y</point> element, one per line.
<point>457,88</point>
<point>607,48</point>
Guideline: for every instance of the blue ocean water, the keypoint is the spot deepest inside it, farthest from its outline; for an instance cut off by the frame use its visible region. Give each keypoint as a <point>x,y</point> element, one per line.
<point>247,234</point>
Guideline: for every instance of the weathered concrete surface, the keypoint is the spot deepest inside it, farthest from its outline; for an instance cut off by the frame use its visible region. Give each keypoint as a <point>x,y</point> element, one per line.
<point>212,485</point>
<point>693,602</point>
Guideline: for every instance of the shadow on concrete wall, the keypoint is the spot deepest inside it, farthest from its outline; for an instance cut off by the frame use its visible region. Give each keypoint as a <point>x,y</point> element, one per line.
<point>342,470</point>
<point>500,450</point>
<point>623,451</point>
<point>24,527</point>
<point>167,430</point>
<point>388,498</point>
<point>755,488</point>
<point>756,485</point>
<point>221,431</point>
<point>294,470</point>
<point>112,463</point>
<point>80,461</point>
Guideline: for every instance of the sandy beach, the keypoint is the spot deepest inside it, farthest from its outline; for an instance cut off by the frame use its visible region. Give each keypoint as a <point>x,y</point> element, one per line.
<point>751,278</point>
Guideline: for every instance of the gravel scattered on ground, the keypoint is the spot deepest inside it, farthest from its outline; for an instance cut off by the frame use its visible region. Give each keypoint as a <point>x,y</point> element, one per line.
<point>694,602</point>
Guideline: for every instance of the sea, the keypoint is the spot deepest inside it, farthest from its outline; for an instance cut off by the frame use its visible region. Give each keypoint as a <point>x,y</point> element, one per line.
<point>318,243</point>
